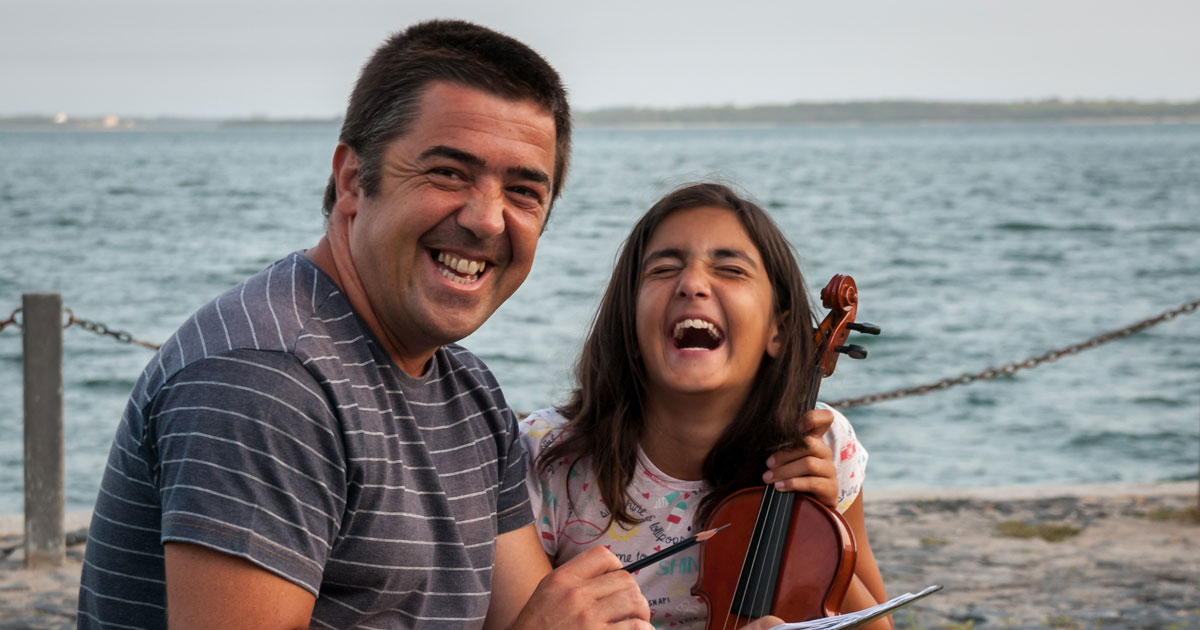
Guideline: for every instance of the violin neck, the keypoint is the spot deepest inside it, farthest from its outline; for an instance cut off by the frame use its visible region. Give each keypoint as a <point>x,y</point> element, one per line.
<point>756,586</point>
<point>814,388</point>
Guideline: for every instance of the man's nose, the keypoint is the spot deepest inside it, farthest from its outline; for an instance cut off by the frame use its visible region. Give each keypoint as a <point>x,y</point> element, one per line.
<point>483,214</point>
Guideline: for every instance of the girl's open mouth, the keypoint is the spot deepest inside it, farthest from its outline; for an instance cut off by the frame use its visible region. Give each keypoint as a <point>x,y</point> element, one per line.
<point>697,334</point>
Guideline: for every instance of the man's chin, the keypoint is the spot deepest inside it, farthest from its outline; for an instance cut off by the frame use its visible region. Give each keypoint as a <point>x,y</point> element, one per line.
<point>454,329</point>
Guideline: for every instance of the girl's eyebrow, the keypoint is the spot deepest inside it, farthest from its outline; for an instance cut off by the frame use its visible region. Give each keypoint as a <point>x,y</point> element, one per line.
<point>660,254</point>
<point>716,254</point>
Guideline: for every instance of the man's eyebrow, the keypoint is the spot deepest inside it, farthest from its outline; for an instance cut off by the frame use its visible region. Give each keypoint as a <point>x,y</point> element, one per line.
<point>470,159</point>
<point>531,174</point>
<point>442,150</point>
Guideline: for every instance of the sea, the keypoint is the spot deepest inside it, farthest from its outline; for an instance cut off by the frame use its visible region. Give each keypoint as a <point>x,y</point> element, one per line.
<point>972,246</point>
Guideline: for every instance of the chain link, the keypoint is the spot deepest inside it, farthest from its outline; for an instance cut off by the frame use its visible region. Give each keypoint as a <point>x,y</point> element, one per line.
<point>12,320</point>
<point>101,329</point>
<point>1012,368</point>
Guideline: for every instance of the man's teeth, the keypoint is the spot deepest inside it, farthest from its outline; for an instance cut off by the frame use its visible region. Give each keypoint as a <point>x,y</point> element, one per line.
<point>696,323</point>
<point>461,265</point>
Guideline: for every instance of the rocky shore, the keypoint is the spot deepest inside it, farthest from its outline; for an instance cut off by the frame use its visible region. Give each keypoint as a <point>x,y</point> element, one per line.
<point>1093,557</point>
<point>1072,558</point>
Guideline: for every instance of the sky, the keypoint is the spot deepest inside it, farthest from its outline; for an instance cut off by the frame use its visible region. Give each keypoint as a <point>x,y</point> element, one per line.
<point>299,58</point>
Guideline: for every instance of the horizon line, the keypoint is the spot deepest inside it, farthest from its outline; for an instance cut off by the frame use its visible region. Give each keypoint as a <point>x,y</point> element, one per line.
<point>261,117</point>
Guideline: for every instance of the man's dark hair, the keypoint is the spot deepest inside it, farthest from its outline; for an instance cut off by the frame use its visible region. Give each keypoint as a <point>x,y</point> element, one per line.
<point>387,96</point>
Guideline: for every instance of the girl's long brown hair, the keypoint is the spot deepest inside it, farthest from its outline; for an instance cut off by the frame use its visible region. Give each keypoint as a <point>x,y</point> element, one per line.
<point>605,410</point>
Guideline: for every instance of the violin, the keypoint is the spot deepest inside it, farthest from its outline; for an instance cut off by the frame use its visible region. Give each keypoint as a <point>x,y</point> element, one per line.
<point>785,553</point>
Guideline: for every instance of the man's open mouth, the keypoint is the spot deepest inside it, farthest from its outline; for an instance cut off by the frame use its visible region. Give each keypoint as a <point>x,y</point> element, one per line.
<point>697,334</point>
<point>460,270</point>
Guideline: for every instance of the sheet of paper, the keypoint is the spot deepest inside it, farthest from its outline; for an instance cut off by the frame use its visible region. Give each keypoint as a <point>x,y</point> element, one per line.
<point>852,620</point>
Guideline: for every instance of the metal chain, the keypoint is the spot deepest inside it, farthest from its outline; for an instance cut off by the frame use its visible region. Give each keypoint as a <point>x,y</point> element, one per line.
<point>88,325</point>
<point>12,320</point>
<point>846,403</point>
<point>1011,368</point>
<point>101,329</point>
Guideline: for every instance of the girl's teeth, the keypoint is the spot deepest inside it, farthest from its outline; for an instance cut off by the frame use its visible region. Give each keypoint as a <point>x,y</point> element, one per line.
<point>696,323</point>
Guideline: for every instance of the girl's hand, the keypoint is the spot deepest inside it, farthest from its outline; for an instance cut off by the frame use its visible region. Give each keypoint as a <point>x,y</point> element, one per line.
<point>807,467</point>
<point>764,623</point>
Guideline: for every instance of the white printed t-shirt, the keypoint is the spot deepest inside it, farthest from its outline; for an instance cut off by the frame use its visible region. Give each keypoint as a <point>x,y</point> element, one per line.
<point>667,505</point>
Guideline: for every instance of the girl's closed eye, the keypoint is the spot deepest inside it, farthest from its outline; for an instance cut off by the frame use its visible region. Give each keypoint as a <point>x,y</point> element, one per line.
<point>662,269</point>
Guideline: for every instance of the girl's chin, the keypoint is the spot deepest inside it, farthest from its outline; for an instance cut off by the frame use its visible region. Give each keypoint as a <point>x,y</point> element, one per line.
<point>692,384</point>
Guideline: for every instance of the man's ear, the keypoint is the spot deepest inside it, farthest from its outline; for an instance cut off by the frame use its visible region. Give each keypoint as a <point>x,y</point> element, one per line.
<point>345,177</point>
<point>775,343</point>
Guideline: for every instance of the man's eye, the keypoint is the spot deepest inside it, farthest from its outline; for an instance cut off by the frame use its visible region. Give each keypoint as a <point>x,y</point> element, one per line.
<point>526,192</point>
<point>733,271</point>
<point>448,173</point>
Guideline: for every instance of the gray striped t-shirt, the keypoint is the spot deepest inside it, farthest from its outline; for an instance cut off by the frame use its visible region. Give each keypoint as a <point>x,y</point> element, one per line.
<point>272,426</point>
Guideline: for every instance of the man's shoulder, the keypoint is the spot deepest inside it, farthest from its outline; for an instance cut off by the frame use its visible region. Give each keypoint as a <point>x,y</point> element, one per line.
<point>290,305</point>
<point>460,364</point>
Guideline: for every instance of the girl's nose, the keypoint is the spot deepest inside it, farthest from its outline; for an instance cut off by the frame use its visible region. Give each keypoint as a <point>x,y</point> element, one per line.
<point>693,283</point>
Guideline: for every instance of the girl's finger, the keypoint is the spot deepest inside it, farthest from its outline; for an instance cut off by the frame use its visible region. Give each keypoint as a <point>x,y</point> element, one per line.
<point>804,467</point>
<point>816,422</point>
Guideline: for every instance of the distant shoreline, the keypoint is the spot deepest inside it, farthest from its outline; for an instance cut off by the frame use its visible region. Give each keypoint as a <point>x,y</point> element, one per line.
<point>857,113</point>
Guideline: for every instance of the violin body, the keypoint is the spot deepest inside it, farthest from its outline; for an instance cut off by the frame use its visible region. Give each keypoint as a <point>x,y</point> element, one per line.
<point>785,553</point>
<point>815,570</point>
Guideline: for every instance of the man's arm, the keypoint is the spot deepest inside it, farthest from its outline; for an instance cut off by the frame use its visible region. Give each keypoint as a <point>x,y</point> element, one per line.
<point>210,589</point>
<point>589,591</point>
<point>520,566</point>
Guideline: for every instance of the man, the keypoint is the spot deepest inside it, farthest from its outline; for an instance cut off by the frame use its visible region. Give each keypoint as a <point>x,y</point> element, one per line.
<point>311,449</point>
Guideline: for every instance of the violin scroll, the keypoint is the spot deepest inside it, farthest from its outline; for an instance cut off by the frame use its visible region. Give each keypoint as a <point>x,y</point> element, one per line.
<point>840,296</point>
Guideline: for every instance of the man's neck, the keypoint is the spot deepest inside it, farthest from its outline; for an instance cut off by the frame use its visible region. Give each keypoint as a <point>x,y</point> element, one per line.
<point>343,275</point>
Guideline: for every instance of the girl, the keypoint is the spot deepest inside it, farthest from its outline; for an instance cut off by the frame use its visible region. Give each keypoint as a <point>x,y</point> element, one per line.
<point>695,367</point>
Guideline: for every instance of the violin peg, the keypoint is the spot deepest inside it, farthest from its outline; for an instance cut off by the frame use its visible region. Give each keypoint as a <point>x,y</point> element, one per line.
<point>853,351</point>
<point>863,327</point>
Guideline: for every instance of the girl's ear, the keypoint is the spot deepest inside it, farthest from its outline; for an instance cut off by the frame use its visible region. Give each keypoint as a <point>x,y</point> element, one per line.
<point>775,343</point>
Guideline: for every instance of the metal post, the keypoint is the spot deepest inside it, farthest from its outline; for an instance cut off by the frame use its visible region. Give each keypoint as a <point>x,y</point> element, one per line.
<point>45,541</point>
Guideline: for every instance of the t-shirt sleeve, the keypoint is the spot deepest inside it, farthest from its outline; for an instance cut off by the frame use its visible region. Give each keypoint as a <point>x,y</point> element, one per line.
<point>543,487</point>
<point>512,507</point>
<point>250,462</point>
<point>849,458</point>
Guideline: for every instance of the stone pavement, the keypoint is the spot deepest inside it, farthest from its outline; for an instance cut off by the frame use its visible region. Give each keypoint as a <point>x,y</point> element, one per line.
<point>1079,558</point>
<point>1095,557</point>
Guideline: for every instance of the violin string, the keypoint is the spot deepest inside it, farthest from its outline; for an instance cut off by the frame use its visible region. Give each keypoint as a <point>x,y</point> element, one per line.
<point>751,557</point>
<point>747,559</point>
<point>778,533</point>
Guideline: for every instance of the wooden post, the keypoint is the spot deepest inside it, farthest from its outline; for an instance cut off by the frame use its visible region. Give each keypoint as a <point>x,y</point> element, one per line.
<point>45,541</point>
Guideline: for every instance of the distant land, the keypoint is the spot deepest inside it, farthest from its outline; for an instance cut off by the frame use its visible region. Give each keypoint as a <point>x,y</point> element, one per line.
<point>898,112</point>
<point>833,113</point>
